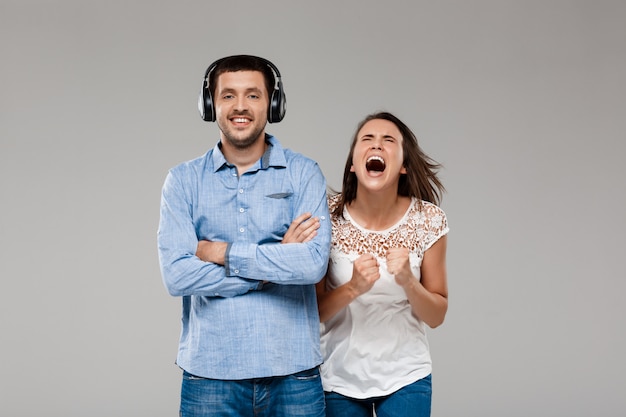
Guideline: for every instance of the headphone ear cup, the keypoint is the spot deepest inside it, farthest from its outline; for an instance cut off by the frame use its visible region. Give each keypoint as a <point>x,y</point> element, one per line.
<point>278,105</point>
<point>205,104</point>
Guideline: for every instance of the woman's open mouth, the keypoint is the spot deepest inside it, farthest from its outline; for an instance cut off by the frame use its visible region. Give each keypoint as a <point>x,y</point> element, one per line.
<point>375,163</point>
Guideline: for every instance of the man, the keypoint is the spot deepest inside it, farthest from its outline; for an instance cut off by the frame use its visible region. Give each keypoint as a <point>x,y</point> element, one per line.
<point>244,236</point>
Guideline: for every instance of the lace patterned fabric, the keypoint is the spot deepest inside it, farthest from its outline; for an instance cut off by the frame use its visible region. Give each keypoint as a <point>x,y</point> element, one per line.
<point>420,227</point>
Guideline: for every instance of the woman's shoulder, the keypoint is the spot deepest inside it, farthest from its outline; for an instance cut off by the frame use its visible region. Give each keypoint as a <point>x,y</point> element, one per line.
<point>430,214</point>
<point>427,208</point>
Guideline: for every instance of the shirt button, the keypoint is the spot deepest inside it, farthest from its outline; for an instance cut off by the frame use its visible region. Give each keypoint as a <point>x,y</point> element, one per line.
<point>241,210</point>
<point>323,217</point>
<point>241,191</point>
<point>241,230</point>
<point>236,271</point>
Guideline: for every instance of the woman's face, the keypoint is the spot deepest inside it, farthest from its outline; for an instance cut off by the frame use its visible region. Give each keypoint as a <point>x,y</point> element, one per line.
<point>377,159</point>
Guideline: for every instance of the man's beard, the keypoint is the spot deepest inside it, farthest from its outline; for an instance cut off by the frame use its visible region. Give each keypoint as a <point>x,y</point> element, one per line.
<point>238,142</point>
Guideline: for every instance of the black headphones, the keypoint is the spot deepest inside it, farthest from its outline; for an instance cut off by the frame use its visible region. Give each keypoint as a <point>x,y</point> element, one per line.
<point>277,104</point>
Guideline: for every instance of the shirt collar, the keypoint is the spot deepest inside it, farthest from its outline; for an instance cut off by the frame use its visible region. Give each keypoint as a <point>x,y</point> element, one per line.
<point>274,155</point>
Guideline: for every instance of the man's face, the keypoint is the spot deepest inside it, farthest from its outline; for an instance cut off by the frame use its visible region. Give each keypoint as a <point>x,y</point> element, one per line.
<point>241,102</point>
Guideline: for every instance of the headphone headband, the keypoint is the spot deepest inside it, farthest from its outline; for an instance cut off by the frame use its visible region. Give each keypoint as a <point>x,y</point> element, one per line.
<point>277,103</point>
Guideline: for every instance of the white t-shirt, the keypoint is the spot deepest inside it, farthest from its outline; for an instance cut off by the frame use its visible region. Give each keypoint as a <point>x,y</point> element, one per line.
<point>375,345</point>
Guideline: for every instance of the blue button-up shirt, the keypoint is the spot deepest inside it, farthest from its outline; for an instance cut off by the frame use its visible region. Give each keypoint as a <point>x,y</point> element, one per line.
<point>256,316</point>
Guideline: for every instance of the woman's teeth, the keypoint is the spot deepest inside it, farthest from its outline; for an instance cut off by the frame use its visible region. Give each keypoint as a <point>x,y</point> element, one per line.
<point>375,163</point>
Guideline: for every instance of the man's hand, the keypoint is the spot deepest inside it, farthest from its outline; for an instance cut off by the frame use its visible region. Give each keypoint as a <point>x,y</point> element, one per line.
<point>212,251</point>
<point>302,229</point>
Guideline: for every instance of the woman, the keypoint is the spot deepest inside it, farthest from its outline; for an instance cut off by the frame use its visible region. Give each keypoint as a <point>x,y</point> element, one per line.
<point>386,278</point>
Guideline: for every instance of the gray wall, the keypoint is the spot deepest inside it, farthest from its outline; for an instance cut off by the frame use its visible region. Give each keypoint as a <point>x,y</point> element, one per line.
<point>522,101</point>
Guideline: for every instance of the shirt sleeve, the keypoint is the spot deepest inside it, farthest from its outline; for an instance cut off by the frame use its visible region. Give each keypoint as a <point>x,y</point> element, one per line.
<point>292,263</point>
<point>182,271</point>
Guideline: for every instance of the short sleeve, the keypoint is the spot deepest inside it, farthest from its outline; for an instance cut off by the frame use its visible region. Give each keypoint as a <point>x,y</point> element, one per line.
<point>435,224</point>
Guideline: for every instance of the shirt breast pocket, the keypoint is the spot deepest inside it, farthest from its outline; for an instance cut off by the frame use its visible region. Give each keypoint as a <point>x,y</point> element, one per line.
<point>277,210</point>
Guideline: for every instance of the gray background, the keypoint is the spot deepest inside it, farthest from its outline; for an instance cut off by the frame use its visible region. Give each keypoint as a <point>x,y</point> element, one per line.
<point>522,101</point>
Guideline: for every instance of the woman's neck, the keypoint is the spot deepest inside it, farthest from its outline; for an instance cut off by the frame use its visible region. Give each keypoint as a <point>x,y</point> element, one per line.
<point>376,211</point>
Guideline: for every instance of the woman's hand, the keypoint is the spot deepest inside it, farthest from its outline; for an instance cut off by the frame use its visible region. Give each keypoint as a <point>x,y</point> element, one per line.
<point>365,273</point>
<point>398,264</point>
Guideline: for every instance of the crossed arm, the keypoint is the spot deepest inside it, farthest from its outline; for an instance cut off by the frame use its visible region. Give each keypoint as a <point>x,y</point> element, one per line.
<point>302,229</point>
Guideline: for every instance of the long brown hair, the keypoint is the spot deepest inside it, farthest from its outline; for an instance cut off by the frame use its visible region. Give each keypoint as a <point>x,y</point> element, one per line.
<point>420,180</point>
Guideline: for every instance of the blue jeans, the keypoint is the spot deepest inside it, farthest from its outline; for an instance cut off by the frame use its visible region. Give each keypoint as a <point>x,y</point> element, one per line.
<point>414,400</point>
<point>300,394</point>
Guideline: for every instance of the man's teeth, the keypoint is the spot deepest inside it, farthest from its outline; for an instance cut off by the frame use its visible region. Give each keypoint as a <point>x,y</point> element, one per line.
<point>240,120</point>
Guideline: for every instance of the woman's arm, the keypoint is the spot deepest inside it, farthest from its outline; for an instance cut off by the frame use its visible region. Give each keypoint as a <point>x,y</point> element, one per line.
<point>429,295</point>
<point>365,272</point>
